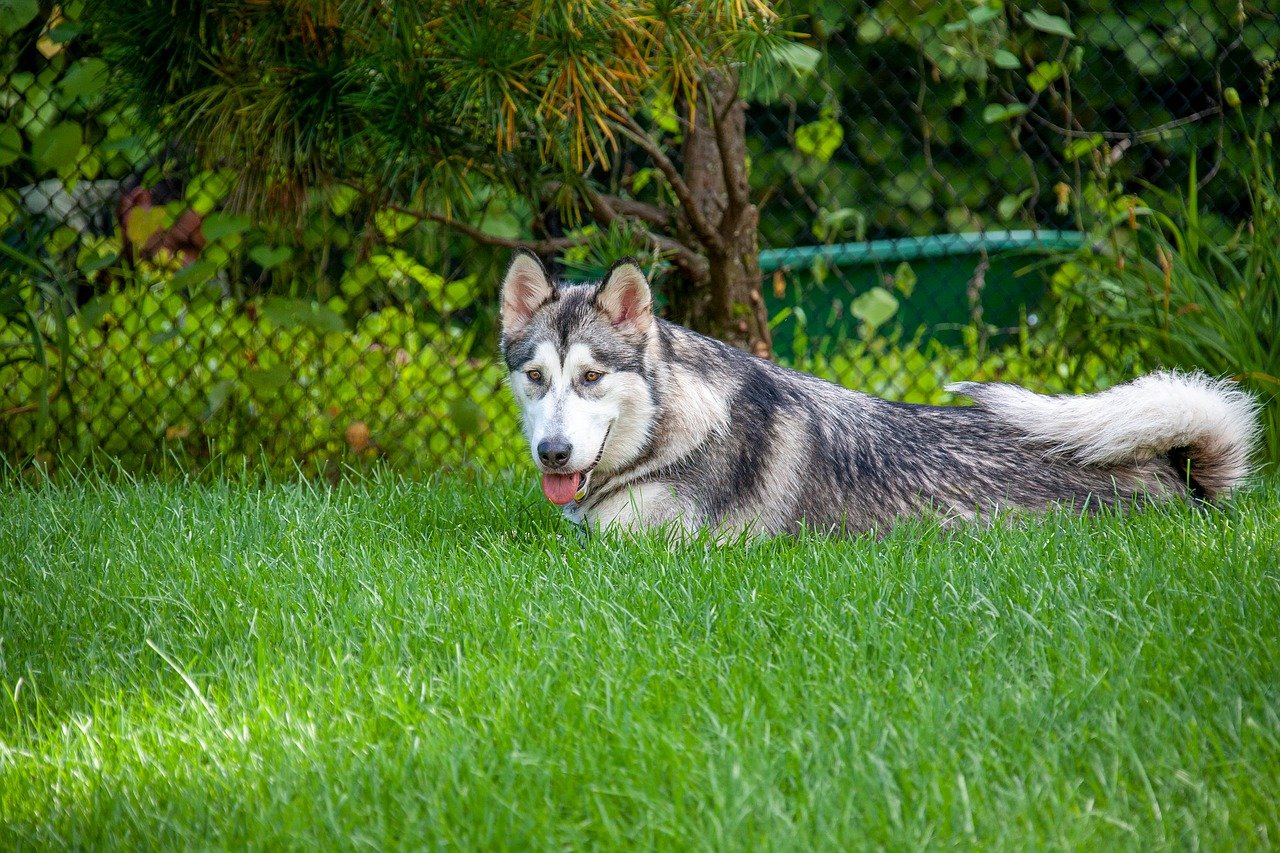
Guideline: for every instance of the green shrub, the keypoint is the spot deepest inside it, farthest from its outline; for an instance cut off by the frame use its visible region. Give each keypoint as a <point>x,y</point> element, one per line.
<point>276,382</point>
<point>1190,298</point>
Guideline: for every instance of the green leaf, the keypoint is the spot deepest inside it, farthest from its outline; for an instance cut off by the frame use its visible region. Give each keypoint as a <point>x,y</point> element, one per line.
<point>662,111</point>
<point>341,198</point>
<point>1046,23</point>
<point>206,190</point>
<point>1002,112</point>
<point>10,144</point>
<point>65,32</point>
<point>871,29</point>
<point>819,139</point>
<point>288,313</point>
<point>392,223</point>
<point>218,395</point>
<point>58,146</point>
<point>194,274</point>
<point>1011,204</point>
<point>16,14</point>
<point>904,279</point>
<point>270,256</point>
<point>267,379</point>
<point>980,15</point>
<point>164,337</point>
<point>1044,74</point>
<point>216,226</point>
<point>1148,54</point>
<point>92,312</point>
<point>1006,59</point>
<point>85,78</point>
<point>875,307</point>
<point>468,418</point>
<point>800,58</point>
<point>1077,148</point>
<point>641,179</point>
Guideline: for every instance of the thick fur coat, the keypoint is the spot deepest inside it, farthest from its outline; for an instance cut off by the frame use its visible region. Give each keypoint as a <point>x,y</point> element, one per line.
<point>634,421</point>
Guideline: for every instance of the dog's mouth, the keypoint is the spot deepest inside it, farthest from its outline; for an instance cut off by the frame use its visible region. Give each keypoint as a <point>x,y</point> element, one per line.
<point>562,489</point>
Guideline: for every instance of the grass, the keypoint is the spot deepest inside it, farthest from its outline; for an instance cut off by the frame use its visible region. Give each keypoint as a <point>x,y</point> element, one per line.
<point>384,663</point>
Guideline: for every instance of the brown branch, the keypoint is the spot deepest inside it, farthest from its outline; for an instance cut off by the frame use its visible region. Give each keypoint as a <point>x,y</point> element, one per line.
<point>541,247</point>
<point>649,213</point>
<point>604,212</point>
<point>1130,135</point>
<point>735,179</point>
<point>702,229</point>
<point>629,207</point>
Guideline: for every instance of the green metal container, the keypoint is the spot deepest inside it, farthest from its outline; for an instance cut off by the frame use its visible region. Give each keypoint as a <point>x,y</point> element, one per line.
<point>940,302</point>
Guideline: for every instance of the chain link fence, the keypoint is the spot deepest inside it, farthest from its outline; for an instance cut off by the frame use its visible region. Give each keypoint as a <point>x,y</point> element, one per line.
<point>914,190</point>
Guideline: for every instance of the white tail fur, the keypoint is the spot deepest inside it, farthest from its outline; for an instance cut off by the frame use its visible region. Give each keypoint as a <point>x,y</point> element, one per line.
<point>1214,420</point>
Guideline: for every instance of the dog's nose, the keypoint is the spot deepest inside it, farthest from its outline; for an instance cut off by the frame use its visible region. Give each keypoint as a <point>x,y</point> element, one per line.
<point>554,452</point>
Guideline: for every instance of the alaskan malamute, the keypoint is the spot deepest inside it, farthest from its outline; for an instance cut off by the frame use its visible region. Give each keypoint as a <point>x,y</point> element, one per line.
<point>634,421</point>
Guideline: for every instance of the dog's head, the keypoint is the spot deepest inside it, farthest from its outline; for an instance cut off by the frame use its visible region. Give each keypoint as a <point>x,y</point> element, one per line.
<point>577,360</point>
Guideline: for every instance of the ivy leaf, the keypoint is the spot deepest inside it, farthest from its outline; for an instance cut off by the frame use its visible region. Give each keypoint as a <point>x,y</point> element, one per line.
<point>1002,112</point>
<point>1046,23</point>
<point>144,222</point>
<point>1077,148</point>
<point>392,223</point>
<point>10,144</point>
<point>268,378</point>
<point>875,307</point>
<point>1006,59</point>
<point>58,146</point>
<point>980,15</point>
<point>1010,204</point>
<point>287,313</point>
<point>218,395</point>
<point>1044,74</point>
<point>270,256</point>
<point>800,58</point>
<point>85,78</point>
<point>662,110</point>
<point>216,226</point>
<point>341,197</point>
<point>904,279</point>
<point>819,139</point>
<point>16,14</point>
<point>194,274</point>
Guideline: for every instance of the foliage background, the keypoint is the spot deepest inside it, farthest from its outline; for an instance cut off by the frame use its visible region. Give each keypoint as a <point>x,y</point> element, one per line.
<point>360,333</point>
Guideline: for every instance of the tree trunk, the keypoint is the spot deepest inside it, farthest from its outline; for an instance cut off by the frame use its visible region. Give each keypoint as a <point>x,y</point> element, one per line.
<point>725,301</point>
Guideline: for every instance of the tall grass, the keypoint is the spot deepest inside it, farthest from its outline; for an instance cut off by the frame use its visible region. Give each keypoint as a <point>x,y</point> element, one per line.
<point>1194,300</point>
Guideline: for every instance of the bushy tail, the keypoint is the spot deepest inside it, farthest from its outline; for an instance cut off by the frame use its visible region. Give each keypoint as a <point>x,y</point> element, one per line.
<point>1211,424</point>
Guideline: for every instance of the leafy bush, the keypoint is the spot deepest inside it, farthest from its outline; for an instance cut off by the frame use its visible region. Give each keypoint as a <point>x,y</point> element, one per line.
<point>272,381</point>
<point>1189,297</point>
<point>152,378</point>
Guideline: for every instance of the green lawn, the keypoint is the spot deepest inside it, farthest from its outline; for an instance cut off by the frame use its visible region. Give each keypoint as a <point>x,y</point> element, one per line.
<point>388,662</point>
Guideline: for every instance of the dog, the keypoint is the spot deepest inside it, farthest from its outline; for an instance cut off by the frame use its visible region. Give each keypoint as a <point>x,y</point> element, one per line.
<point>636,422</point>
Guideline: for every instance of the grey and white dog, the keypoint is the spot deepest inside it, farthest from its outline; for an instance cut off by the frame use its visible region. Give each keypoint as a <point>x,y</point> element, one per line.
<point>634,422</point>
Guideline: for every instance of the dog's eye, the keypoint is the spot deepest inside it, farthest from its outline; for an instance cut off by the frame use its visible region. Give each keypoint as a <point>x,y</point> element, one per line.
<point>534,375</point>
<point>591,376</point>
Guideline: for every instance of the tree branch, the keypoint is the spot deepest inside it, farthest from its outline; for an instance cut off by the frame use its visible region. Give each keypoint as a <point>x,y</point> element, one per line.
<point>1130,135</point>
<point>701,227</point>
<point>541,247</point>
<point>605,213</point>
<point>735,178</point>
<point>650,213</point>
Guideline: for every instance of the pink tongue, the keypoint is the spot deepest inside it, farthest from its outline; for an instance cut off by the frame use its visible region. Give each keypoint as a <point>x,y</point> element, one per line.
<point>560,488</point>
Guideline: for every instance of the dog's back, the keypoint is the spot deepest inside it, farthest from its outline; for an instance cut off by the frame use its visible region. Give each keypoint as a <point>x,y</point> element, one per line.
<point>795,451</point>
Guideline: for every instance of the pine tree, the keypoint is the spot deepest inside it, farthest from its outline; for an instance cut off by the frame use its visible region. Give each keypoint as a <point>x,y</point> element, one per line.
<point>417,103</point>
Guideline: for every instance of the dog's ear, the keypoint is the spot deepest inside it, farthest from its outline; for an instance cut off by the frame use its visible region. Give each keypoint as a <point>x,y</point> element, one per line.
<point>526,288</point>
<point>624,296</point>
